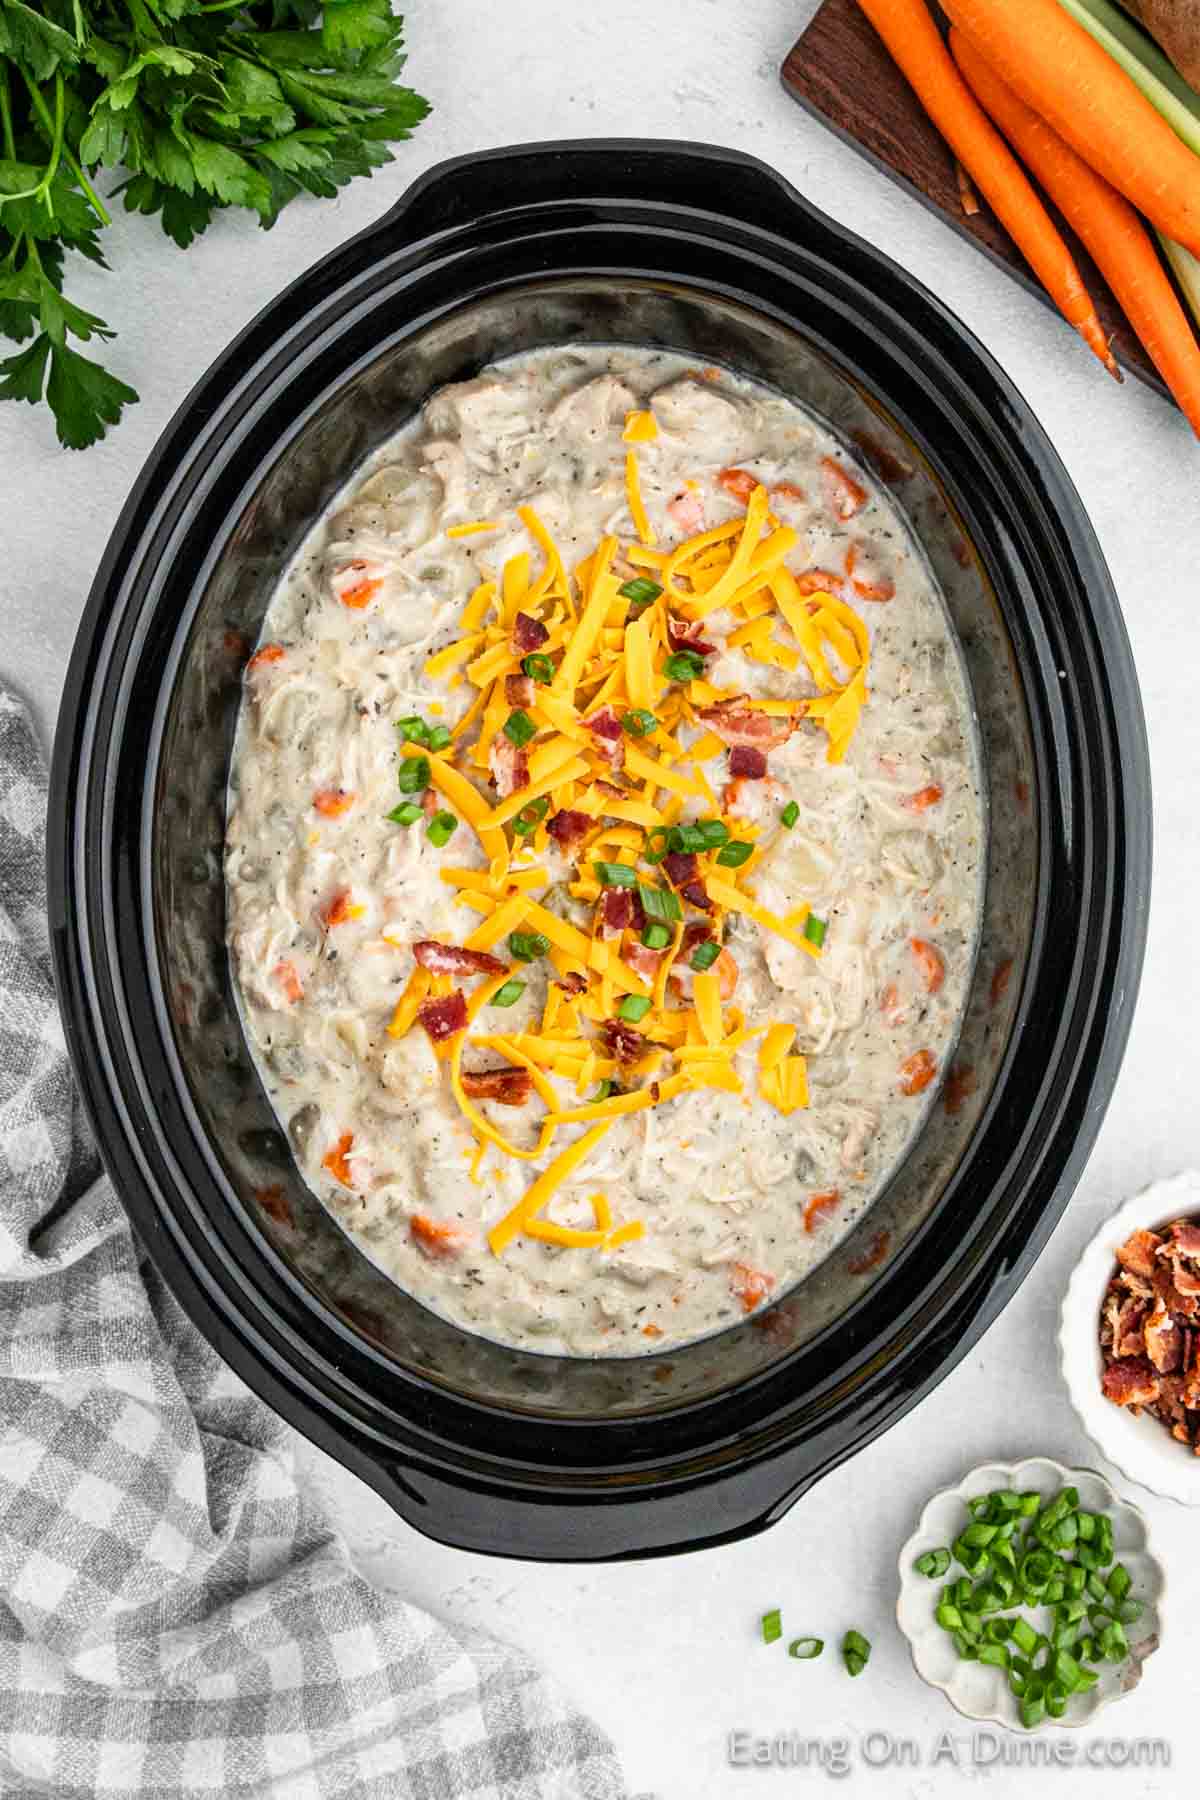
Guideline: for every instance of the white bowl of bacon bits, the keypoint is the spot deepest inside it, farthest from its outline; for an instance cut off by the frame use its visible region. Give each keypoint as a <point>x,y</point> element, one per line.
<point>1130,1339</point>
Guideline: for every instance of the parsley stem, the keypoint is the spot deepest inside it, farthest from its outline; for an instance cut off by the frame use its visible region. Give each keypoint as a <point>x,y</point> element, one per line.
<point>63,151</point>
<point>10,144</point>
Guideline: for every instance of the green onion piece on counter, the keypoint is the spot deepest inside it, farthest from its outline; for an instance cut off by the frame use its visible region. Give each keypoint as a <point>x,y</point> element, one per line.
<point>509,994</point>
<point>412,777</point>
<point>733,854</point>
<point>684,665</point>
<point>772,1625</point>
<point>660,904</point>
<point>1129,1611</point>
<point>634,1007</point>
<point>933,1563</point>
<point>527,946</point>
<point>615,874</point>
<point>998,1631</point>
<point>519,728</point>
<point>439,736</point>
<point>804,1649</point>
<point>814,931</point>
<point>789,815</point>
<point>639,722</point>
<point>413,730</point>
<point>856,1652</point>
<point>538,668</point>
<point>656,937</point>
<point>704,955</point>
<point>1056,1700</point>
<point>407,813</point>
<point>640,589</point>
<point>442,828</point>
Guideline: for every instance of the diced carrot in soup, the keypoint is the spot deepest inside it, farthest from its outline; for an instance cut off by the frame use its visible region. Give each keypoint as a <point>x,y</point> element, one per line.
<point>917,1071</point>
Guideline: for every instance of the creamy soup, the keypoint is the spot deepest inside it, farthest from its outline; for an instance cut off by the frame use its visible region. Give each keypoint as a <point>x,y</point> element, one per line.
<point>604,850</point>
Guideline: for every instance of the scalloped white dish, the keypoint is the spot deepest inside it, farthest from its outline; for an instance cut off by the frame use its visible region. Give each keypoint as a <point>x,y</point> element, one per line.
<point>1140,1447</point>
<point>977,1690</point>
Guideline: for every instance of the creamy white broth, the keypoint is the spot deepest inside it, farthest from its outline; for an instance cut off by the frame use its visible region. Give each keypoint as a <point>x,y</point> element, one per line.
<point>722,1183</point>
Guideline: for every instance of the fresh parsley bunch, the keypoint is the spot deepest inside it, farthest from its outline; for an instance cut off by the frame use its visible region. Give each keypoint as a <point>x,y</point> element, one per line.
<point>199,104</point>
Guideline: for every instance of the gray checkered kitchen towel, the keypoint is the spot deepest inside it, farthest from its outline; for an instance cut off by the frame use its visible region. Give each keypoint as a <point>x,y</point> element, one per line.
<point>176,1617</point>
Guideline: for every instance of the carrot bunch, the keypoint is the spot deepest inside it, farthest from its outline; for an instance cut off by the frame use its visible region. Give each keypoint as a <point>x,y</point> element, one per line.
<point>1021,76</point>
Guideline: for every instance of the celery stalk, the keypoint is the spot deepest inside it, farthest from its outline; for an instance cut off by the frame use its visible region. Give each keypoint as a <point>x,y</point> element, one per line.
<point>1186,268</point>
<point>1117,22</point>
<point>1177,103</point>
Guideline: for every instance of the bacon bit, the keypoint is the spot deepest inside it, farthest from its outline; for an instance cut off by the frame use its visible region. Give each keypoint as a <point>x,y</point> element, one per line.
<point>930,963</point>
<point>844,496</point>
<point>519,690</point>
<point>680,867</point>
<point>867,590</point>
<point>686,511</point>
<point>605,724</point>
<point>455,959</point>
<point>508,766</point>
<point>568,828</point>
<point>892,1006</point>
<point>339,909</point>
<point>1128,1338</point>
<point>644,960</point>
<point>1131,1381</point>
<point>1001,976</point>
<point>917,1071</point>
<point>736,721</point>
<point>572,982</point>
<point>336,1162</point>
<point>885,463</point>
<point>430,803</point>
<point>274,1203</point>
<point>819,581</point>
<point>616,911</point>
<point>622,1041</point>
<point>1162,1338</point>
<point>725,968</point>
<point>923,799</point>
<point>696,894</point>
<point>288,977</point>
<point>749,1285</point>
<point>439,1237</point>
<point>1185,1238</point>
<point>787,490</point>
<point>443,1018</point>
<point>874,1254</point>
<point>528,634</point>
<point>818,1204</point>
<point>738,482</point>
<point>652,1330</point>
<point>611,789</point>
<point>960,1085</point>
<point>746,763</point>
<point>358,593</point>
<point>507,1087</point>
<point>270,653</point>
<point>333,802</point>
<point>1138,1254</point>
<point>688,634</point>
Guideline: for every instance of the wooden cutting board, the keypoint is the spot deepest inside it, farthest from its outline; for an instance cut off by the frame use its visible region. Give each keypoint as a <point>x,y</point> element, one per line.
<point>840,71</point>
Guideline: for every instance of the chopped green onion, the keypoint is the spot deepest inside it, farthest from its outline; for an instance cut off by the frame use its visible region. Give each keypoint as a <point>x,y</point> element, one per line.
<point>531,816</point>
<point>733,854</point>
<point>639,722</point>
<point>772,1625</point>
<point>508,995</point>
<point>603,1090</point>
<point>948,1616</point>
<point>1024,1636</point>
<point>615,874</point>
<point>658,842</point>
<point>1032,1711</point>
<point>994,1654</point>
<point>814,931</point>
<point>856,1652</point>
<point>1119,1582</point>
<point>1004,1500</point>
<point>539,669</point>
<point>1129,1611</point>
<point>407,813</point>
<point>684,665</point>
<point>713,832</point>
<point>660,904</point>
<point>933,1563</point>
<point>442,828</point>
<point>806,1648</point>
<point>656,937</point>
<point>439,737</point>
<point>968,1650</point>
<point>1030,1501</point>
<point>977,1536</point>
<point>704,955</point>
<point>634,1007</point>
<point>998,1631</point>
<point>687,838</point>
<point>527,946</point>
<point>640,589</point>
<point>412,777</point>
<point>413,730</point>
<point>519,728</point>
<point>789,815</point>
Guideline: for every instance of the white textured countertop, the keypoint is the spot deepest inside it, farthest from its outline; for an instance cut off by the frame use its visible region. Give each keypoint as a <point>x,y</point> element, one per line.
<point>665,1653</point>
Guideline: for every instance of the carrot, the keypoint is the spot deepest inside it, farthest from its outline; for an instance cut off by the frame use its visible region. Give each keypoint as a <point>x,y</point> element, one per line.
<point>923,799</point>
<point>288,977</point>
<point>738,482</point>
<point>333,802</point>
<point>929,961</point>
<point>917,1071</point>
<point>818,581</point>
<point>336,1160</point>
<point>844,495</point>
<point>270,653</point>
<point>438,1237</point>
<point>750,1285</point>
<point>1106,222</point>
<point>787,490</point>
<point>818,1204</point>
<point>1062,72</point>
<point>912,37</point>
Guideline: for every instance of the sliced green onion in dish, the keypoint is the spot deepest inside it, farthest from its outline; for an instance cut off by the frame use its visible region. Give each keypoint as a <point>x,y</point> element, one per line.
<point>933,1563</point>
<point>704,955</point>
<point>509,994</point>
<point>638,722</point>
<point>407,813</point>
<point>519,728</point>
<point>439,737</point>
<point>660,905</point>
<point>684,665</point>
<point>615,874</point>
<point>814,931</point>
<point>856,1652</point>
<point>527,946</point>
<point>412,777</point>
<point>656,937</point>
<point>789,815</point>
<point>531,816</point>
<point>538,668</point>
<point>640,589</point>
<point>771,1625</point>
<point>602,1091</point>
<point>634,1007</point>
<point>733,854</point>
<point>441,828</point>
<point>413,730</point>
<point>804,1649</point>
